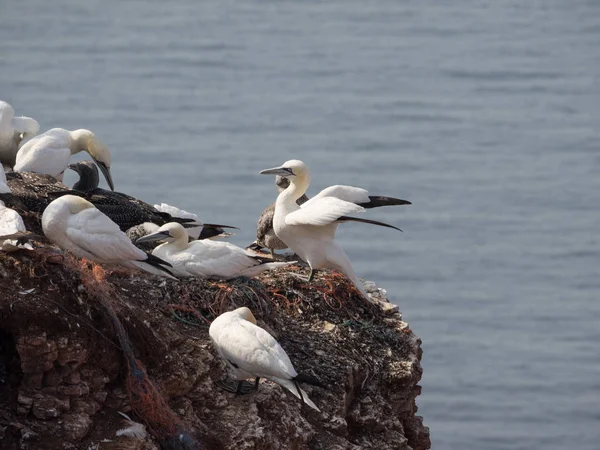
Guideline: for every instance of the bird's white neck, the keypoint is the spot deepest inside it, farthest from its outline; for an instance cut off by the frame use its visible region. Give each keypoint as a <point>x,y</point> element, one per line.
<point>180,243</point>
<point>80,140</point>
<point>296,189</point>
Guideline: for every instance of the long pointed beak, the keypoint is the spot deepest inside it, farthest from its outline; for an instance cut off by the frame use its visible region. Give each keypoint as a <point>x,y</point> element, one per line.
<point>106,172</point>
<point>158,236</point>
<point>277,171</point>
<point>212,225</point>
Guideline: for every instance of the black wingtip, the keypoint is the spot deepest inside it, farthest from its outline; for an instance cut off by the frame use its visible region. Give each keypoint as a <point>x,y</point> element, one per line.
<point>210,230</point>
<point>377,201</point>
<point>372,222</point>
<point>160,264</point>
<point>180,220</point>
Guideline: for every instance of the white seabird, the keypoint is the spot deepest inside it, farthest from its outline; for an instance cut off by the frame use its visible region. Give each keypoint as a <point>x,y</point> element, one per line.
<point>251,352</point>
<point>11,225</point>
<point>74,224</point>
<point>309,229</point>
<point>51,151</point>
<point>205,258</point>
<point>11,222</point>
<point>13,130</point>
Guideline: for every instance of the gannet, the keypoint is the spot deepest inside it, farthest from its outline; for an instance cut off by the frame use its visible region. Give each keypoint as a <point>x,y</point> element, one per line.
<point>251,352</point>
<point>265,235</point>
<point>125,210</point>
<point>74,224</point>
<point>309,230</point>
<point>203,230</point>
<point>13,130</point>
<point>205,258</point>
<point>51,151</point>
<point>11,223</point>
<point>11,229</point>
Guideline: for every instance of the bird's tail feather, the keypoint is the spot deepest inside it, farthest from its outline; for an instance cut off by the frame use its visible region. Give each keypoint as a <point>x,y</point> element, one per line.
<point>308,379</point>
<point>168,217</point>
<point>342,263</point>
<point>295,389</point>
<point>154,270</point>
<point>155,266</point>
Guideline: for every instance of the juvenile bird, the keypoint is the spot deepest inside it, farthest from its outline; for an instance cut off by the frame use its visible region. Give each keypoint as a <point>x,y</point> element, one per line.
<point>309,229</point>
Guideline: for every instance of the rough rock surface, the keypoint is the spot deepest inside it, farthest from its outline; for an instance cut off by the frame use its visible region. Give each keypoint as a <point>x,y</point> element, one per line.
<point>65,372</point>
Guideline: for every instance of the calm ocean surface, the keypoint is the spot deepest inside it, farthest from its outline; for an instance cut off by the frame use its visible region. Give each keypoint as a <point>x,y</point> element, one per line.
<point>485,114</point>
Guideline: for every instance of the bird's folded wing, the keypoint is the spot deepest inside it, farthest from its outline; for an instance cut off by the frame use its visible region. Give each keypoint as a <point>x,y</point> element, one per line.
<point>277,354</point>
<point>93,231</point>
<point>256,351</point>
<point>322,211</point>
<point>43,155</point>
<point>10,221</point>
<point>219,258</point>
<point>347,193</point>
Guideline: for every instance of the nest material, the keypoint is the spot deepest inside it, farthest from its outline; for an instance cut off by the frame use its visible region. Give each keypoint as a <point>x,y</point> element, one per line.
<point>311,321</point>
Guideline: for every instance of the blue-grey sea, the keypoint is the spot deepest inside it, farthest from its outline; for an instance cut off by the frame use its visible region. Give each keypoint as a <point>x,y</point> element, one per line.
<point>485,114</point>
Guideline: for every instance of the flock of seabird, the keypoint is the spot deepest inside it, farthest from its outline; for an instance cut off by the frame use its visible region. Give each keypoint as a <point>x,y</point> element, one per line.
<point>110,227</point>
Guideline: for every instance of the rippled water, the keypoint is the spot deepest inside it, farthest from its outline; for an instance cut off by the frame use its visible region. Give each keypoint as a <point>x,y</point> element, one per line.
<point>484,114</point>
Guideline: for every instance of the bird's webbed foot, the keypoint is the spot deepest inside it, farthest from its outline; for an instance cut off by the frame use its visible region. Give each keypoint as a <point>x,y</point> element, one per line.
<point>237,387</point>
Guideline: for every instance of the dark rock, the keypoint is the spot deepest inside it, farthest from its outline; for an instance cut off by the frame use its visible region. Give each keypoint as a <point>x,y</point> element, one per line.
<point>75,374</point>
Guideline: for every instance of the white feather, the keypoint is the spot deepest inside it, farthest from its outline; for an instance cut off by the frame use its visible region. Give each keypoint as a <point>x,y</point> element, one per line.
<point>93,231</point>
<point>254,351</point>
<point>135,429</point>
<point>10,223</point>
<point>207,258</point>
<point>74,224</point>
<point>347,193</point>
<point>321,211</point>
<point>309,230</point>
<point>12,131</point>
<point>47,153</point>
<point>51,151</point>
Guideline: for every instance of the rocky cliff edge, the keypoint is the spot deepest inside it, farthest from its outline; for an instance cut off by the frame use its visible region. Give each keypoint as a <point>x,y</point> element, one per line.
<point>80,344</point>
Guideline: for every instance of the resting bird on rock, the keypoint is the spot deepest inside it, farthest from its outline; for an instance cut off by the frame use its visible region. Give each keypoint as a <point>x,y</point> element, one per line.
<point>12,227</point>
<point>123,209</point>
<point>251,352</point>
<point>205,258</point>
<point>309,229</point>
<point>74,224</point>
